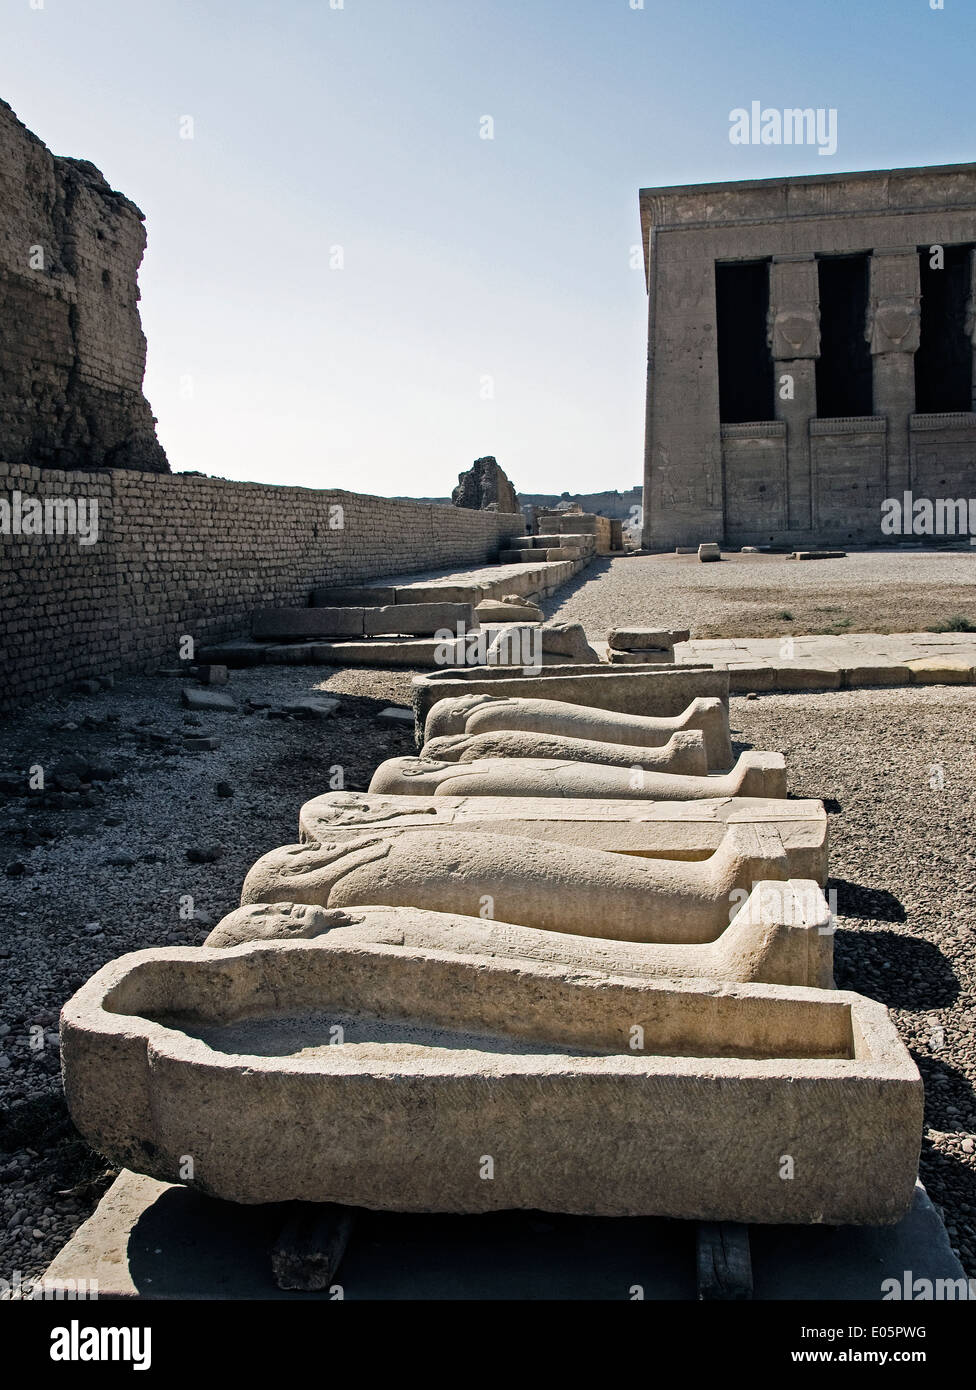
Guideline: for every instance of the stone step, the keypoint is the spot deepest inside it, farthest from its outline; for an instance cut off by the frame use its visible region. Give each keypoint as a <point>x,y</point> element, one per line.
<point>287,624</point>
<point>396,619</point>
<point>431,653</point>
<point>419,619</point>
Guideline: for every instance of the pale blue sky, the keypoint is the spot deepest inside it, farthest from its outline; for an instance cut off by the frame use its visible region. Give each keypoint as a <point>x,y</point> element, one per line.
<point>464,258</point>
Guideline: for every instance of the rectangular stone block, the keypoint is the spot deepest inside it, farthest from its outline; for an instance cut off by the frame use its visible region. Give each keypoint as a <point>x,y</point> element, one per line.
<point>751,677</point>
<point>942,670</point>
<point>287,624</point>
<point>471,593</point>
<point>419,619</point>
<point>475,1043</point>
<point>417,653</point>
<point>211,674</point>
<point>197,697</point>
<point>637,639</point>
<point>876,672</point>
<point>640,658</point>
<point>799,675</point>
<point>396,715</point>
<point>353,596</point>
<point>658,690</point>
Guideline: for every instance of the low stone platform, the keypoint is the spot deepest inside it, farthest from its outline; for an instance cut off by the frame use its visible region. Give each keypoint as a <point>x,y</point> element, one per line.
<point>358,615</point>
<point>835,662</point>
<point>156,1240</point>
<point>528,579</point>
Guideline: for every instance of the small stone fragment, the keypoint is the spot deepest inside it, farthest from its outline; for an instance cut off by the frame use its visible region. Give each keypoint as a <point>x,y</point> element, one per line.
<point>204,854</point>
<point>195,697</point>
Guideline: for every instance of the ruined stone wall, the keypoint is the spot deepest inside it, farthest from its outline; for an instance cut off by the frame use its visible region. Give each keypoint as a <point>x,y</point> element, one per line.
<point>611,503</point>
<point>72,350</point>
<point>182,555</point>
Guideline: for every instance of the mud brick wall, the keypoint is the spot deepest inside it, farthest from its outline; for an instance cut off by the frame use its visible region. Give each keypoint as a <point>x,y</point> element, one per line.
<point>72,350</point>
<point>58,619</point>
<point>181,555</point>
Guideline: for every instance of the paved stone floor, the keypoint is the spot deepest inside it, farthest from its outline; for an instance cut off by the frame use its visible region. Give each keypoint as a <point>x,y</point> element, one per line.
<point>870,591</point>
<point>833,662</point>
<point>862,658</point>
<point>833,649</point>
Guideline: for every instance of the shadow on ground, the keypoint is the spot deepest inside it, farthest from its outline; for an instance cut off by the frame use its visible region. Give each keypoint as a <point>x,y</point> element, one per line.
<point>903,972</point>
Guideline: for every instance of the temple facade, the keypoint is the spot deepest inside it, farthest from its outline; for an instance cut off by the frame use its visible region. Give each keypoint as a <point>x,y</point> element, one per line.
<point>811,349</point>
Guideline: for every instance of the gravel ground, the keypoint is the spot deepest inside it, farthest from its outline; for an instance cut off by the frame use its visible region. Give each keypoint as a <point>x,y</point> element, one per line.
<point>903,860</point>
<point>746,595</point>
<point>68,909</point>
<point>895,767</point>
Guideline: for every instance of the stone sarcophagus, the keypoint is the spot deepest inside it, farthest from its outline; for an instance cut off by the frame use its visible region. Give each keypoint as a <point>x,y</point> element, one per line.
<point>658,691</point>
<point>782,934</point>
<point>532,883</point>
<point>476,715</point>
<point>682,830</point>
<point>755,774</point>
<point>683,754</point>
<point>385,1076</point>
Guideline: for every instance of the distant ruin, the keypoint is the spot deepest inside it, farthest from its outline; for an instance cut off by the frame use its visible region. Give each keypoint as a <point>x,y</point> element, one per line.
<point>622,506</point>
<point>485,487</point>
<point>72,350</point>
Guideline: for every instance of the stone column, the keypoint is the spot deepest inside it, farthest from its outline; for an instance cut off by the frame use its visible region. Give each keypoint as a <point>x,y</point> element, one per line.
<point>794,341</point>
<point>893,329</point>
<point>683,502</point>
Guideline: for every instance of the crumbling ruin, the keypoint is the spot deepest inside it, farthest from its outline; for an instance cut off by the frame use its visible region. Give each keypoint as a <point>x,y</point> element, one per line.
<point>485,487</point>
<point>72,350</point>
